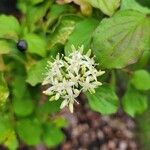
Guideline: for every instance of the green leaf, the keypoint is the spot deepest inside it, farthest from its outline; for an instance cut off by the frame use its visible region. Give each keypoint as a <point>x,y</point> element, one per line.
<point>29,131</point>
<point>104,100</point>
<point>22,101</point>
<point>108,7</point>
<point>6,47</point>
<point>127,37</point>
<point>134,102</point>
<point>7,135</point>
<point>81,35</point>
<point>144,60</point>
<point>16,86</point>
<point>35,14</point>
<point>55,12</point>
<point>52,135</point>
<point>63,30</point>
<point>34,2</point>
<point>134,5</point>
<point>36,44</point>
<point>9,27</point>
<point>11,140</point>
<point>23,107</point>
<point>36,72</point>
<point>144,2</point>
<point>58,48</point>
<point>141,80</point>
<point>22,6</point>
<point>2,65</point>
<point>143,128</point>
<point>48,108</point>
<point>4,92</point>
<point>4,126</point>
<point>60,122</point>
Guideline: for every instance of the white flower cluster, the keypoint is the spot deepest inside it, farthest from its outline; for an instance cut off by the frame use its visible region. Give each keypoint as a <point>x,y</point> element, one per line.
<point>70,75</point>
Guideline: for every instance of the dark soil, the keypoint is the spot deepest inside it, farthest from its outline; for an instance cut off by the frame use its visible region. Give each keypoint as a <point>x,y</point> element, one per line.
<point>8,7</point>
<point>89,130</point>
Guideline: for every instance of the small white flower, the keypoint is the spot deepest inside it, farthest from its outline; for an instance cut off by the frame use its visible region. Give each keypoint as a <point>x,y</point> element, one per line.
<point>89,84</point>
<point>73,78</point>
<point>71,75</point>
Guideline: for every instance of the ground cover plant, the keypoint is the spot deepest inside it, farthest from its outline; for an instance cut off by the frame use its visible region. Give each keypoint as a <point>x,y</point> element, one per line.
<point>51,52</point>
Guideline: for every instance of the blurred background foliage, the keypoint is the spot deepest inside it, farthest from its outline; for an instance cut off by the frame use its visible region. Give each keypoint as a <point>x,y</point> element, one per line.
<point>26,115</point>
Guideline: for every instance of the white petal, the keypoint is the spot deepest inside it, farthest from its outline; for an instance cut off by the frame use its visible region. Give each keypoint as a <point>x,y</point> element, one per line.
<point>100,73</point>
<point>77,92</point>
<point>81,49</point>
<point>67,59</point>
<point>48,92</point>
<point>89,53</point>
<point>73,48</point>
<point>57,96</point>
<point>71,107</point>
<point>63,104</point>
<point>45,82</point>
<point>52,98</point>
<point>98,83</point>
<point>92,91</point>
<point>58,57</point>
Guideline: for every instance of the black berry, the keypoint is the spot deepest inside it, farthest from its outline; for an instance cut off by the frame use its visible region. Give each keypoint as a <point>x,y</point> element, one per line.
<point>22,45</point>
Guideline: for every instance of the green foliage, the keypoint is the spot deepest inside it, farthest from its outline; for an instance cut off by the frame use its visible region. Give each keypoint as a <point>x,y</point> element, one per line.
<point>134,101</point>
<point>81,30</point>
<point>7,134</point>
<point>108,7</point>
<point>141,80</point>
<point>36,72</point>
<point>6,47</point>
<point>22,101</point>
<point>23,107</point>
<point>63,30</point>
<point>126,39</point>
<point>104,100</point>
<point>43,111</point>
<point>133,4</point>
<point>4,92</point>
<point>35,14</point>
<point>55,12</point>
<point>10,27</point>
<point>60,122</point>
<point>29,131</point>
<point>36,44</point>
<point>143,128</point>
<point>52,136</point>
<point>118,33</point>
<point>34,2</point>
